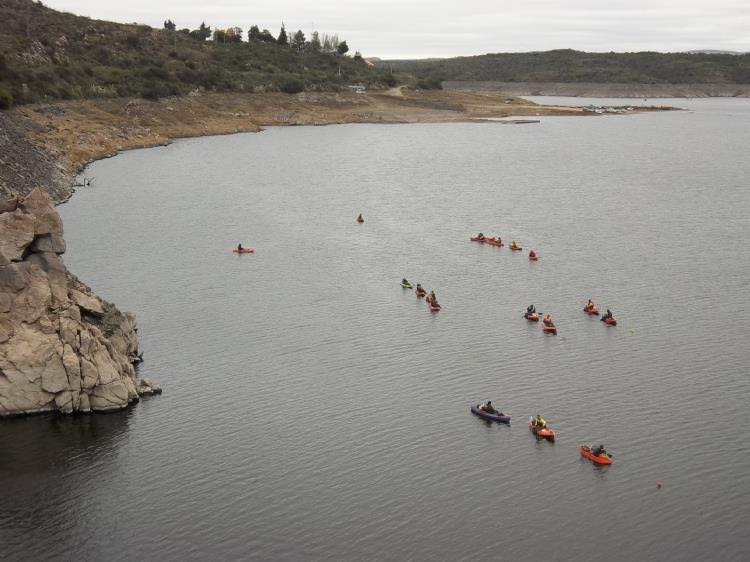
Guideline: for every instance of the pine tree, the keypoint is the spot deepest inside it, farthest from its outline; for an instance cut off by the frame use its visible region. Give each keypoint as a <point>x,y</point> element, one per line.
<point>282,40</point>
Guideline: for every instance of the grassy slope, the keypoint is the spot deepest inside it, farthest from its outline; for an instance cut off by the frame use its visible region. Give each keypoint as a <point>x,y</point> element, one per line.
<point>575,66</point>
<point>48,55</point>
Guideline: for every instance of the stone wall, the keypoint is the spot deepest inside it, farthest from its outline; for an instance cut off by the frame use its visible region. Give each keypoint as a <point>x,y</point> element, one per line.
<point>62,348</point>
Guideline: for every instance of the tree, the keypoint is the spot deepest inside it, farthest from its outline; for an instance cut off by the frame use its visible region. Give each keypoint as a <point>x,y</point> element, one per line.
<point>253,33</point>
<point>298,41</point>
<point>343,48</point>
<point>170,25</point>
<point>234,34</point>
<point>267,37</point>
<point>202,33</point>
<point>282,40</point>
<point>314,45</point>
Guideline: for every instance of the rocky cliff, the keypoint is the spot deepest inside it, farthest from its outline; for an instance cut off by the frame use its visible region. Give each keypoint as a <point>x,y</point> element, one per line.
<point>62,348</point>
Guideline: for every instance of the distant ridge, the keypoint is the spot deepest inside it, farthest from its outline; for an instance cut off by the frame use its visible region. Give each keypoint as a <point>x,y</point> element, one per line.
<point>569,66</point>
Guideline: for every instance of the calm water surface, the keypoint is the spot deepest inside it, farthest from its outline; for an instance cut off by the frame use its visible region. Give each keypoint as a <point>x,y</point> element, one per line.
<point>315,410</point>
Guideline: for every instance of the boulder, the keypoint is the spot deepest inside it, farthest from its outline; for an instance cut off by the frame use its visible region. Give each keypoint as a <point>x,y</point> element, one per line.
<point>17,234</point>
<point>88,303</point>
<point>39,205</point>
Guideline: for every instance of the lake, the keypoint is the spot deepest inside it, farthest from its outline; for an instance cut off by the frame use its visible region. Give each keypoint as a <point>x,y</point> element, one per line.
<point>314,409</point>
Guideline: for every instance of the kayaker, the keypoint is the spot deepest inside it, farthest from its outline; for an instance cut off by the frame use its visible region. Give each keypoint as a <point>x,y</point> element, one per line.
<point>548,320</point>
<point>530,310</point>
<point>432,298</point>
<point>598,451</point>
<point>480,236</point>
<point>404,281</point>
<point>488,407</point>
<point>589,305</point>
<point>239,247</point>
<point>539,422</point>
<point>532,254</point>
<point>359,218</point>
<point>420,289</point>
<point>608,314</point>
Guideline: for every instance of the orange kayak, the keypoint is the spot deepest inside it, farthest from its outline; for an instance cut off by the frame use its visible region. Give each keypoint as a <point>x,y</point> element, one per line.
<point>420,294</point>
<point>598,459</point>
<point>477,239</point>
<point>244,251</point>
<point>531,317</point>
<point>494,242</point>
<point>593,311</point>
<point>549,329</point>
<point>434,307</point>
<point>545,433</point>
<point>611,321</point>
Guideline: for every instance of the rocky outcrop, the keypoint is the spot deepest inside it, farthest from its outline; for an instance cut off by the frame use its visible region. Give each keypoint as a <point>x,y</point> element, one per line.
<point>62,348</point>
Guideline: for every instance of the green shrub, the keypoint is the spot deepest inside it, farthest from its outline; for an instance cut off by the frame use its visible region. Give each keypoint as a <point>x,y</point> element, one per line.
<point>6,99</point>
<point>291,86</point>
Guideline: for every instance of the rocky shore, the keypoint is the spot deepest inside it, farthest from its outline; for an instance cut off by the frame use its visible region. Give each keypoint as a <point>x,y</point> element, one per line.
<point>62,348</point>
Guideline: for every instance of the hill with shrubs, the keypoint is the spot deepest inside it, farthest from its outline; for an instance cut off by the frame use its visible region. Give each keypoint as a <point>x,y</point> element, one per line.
<point>47,55</point>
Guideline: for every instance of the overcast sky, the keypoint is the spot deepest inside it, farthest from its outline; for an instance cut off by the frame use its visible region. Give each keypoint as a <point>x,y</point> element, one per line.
<point>431,28</point>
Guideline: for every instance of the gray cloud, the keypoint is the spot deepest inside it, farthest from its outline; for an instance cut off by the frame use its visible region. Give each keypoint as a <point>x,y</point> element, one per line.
<point>421,28</point>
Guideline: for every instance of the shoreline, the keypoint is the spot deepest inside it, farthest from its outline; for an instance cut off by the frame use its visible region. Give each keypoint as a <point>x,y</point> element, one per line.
<point>49,144</point>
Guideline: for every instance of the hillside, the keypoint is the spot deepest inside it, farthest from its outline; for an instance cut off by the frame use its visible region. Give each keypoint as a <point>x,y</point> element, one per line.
<point>47,55</point>
<point>568,66</point>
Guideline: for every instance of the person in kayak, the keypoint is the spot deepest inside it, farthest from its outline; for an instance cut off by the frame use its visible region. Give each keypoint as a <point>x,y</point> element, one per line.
<point>431,298</point>
<point>530,310</point>
<point>608,314</point>
<point>548,320</point>
<point>404,281</point>
<point>598,451</point>
<point>239,247</point>
<point>420,290</point>
<point>488,408</point>
<point>480,236</point>
<point>513,244</point>
<point>589,305</point>
<point>532,254</point>
<point>540,422</point>
<point>359,218</point>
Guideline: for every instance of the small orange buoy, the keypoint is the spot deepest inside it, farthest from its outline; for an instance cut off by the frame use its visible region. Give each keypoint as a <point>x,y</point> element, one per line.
<point>659,484</point>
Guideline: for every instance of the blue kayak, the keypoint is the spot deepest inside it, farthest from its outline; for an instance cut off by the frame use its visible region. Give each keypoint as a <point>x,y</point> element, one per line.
<point>490,417</point>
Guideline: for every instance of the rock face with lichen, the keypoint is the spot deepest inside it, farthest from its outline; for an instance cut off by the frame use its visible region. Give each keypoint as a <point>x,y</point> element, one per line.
<point>62,348</point>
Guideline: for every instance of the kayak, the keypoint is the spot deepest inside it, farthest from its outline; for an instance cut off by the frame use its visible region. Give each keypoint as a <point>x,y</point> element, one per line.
<point>531,317</point>
<point>406,285</point>
<point>490,417</point>
<point>360,220</point>
<point>611,321</point>
<point>244,251</point>
<point>533,258</point>
<point>435,307</point>
<point>545,433</point>
<point>420,294</point>
<point>549,329</point>
<point>515,248</point>
<point>601,459</point>
<point>477,239</point>
<point>593,311</point>
<point>494,242</point>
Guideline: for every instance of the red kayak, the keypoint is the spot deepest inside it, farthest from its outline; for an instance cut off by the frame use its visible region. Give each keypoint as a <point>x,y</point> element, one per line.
<point>515,248</point>
<point>420,294</point>
<point>477,239</point>
<point>609,321</point>
<point>531,317</point>
<point>598,459</point>
<point>544,433</point>
<point>533,257</point>
<point>435,307</point>
<point>547,329</point>
<point>244,251</point>
<point>494,242</point>
<point>593,311</point>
